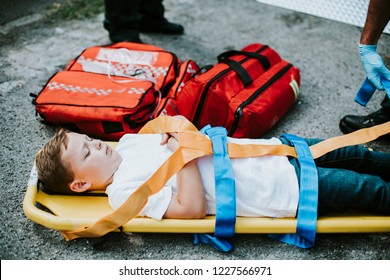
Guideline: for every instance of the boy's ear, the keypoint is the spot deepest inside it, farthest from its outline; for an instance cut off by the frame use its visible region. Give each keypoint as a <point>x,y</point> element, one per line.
<point>79,186</point>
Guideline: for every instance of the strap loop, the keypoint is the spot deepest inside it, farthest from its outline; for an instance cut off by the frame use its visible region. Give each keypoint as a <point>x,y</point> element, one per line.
<point>225,189</point>
<point>261,58</point>
<point>367,90</point>
<point>308,197</point>
<point>218,243</point>
<point>225,192</point>
<point>240,70</point>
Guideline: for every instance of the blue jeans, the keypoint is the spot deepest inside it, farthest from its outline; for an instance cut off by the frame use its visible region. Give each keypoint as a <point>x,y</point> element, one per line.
<point>351,178</point>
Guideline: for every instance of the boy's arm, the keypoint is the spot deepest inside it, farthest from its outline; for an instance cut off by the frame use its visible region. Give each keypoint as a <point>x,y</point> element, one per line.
<point>190,201</point>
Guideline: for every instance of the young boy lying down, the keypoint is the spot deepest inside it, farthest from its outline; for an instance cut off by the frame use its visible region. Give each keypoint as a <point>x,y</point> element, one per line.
<point>350,178</point>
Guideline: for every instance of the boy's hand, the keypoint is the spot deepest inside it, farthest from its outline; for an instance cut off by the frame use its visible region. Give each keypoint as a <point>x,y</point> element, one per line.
<point>171,140</point>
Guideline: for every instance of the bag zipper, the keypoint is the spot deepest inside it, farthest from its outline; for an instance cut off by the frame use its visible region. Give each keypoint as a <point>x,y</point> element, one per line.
<point>208,85</point>
<point>240,109</point>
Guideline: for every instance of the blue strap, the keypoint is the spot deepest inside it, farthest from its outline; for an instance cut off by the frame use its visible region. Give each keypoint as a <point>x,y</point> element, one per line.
<point>367,90</point>
<point>308,198</point>
<point>220,244</point>
<point>225,191</point>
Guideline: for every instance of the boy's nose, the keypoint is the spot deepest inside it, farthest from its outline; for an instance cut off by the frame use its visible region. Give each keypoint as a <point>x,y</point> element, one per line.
<point>98,144</point>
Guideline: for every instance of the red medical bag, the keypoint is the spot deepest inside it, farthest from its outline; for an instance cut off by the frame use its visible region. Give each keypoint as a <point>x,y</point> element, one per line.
<point>247,92</point>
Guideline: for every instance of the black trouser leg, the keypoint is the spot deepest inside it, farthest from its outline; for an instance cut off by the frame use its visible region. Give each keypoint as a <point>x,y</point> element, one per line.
<point>122,19</point>
<point>152,9</point>
<point>386,105</point>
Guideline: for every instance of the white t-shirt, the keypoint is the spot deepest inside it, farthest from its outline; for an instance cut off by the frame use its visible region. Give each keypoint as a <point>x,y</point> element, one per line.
<point>265,186</point>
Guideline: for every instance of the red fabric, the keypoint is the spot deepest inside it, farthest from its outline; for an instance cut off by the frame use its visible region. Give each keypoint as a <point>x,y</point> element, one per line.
<point>215,96</point>
<point>101,98</point>
<point>108,91</point>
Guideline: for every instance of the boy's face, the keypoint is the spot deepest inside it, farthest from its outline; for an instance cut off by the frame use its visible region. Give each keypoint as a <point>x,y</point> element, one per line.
<point>92,161</point>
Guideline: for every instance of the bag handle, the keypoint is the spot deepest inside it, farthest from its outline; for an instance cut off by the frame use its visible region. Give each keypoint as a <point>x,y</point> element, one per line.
<point>237,67</point>
<point>261,58</point>
<point>241,72</point>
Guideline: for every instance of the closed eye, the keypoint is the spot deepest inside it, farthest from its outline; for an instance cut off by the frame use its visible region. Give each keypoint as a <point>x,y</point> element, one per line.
<point>88,139</point>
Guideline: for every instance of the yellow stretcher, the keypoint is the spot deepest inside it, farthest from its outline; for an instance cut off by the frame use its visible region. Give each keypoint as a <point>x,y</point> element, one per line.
<point>70,212</point>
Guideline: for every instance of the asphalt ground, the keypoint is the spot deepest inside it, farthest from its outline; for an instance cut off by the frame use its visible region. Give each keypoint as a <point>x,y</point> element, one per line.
<point>32,50</point>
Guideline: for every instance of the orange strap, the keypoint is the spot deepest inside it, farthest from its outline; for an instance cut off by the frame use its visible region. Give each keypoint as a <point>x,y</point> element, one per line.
<point>194,144</point>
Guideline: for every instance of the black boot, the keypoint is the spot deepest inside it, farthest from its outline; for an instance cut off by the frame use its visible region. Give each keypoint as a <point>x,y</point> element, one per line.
<point>161,25</point>
<point>122,33</point>
<point>351,123</point>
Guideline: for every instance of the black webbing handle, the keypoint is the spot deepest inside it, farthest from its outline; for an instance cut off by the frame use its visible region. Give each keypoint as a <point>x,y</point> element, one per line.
<point>241,72</point>
<point>261,58</point>
<point>238,68</point>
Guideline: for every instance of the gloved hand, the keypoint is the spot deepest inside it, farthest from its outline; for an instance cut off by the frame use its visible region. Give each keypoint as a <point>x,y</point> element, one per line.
<point>373,65</point>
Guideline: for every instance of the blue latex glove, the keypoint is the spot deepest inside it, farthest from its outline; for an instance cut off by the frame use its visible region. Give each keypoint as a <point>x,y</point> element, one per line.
<point>373,65</point>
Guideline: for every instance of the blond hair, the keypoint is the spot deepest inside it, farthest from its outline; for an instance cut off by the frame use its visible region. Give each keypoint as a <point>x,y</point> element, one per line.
<point>54,174</point>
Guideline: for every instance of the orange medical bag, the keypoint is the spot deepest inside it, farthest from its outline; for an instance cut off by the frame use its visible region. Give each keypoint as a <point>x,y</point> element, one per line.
<point>108,91</point>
